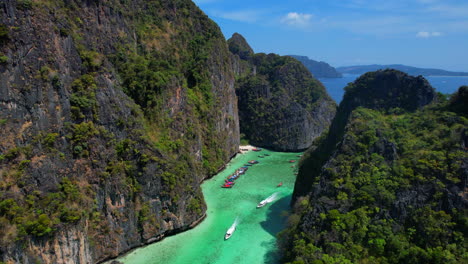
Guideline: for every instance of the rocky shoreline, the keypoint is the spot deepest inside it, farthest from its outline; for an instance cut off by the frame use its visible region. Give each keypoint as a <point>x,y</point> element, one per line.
<point>154,240</point>
<point>242,150</point>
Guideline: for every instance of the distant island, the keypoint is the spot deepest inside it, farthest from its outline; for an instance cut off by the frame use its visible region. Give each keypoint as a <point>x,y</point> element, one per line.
<point>319,69</point>
<point>361,69</point>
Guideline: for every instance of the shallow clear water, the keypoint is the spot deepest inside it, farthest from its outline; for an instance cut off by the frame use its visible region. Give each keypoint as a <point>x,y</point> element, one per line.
<point>443,84</point>
<point>254,239</point>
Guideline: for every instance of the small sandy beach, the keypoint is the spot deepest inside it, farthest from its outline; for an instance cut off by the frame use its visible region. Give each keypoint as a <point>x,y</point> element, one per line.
<point>245,148</point>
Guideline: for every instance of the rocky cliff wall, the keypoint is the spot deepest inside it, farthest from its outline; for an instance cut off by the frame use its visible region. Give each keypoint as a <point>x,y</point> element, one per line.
<point>381,90</point>
<point>388,182</point>
<point>112,113</point>
<point>281,106</point>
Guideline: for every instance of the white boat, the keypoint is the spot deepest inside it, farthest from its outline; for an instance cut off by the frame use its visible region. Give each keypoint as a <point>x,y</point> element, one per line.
<point>229,232</point>
<point>262,203</point>
<point>270,199</point>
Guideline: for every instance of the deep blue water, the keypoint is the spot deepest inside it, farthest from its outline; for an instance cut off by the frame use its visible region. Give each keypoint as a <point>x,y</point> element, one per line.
<point>443,84</point>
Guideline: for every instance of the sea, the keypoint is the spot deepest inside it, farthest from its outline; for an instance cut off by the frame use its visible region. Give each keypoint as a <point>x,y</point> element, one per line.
<point>443,84</point>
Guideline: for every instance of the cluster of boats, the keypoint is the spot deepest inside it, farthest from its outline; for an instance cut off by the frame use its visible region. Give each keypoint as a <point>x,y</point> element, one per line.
<point>230,180</point>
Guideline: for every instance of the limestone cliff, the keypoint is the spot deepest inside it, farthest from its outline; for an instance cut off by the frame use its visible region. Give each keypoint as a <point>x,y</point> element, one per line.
<point>387,184</point>
<point>112,113</point>
<point>380,90</point>
<point>281,106</point>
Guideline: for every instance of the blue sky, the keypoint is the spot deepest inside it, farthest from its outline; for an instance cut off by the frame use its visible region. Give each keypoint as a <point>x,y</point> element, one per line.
<point>421,33</point>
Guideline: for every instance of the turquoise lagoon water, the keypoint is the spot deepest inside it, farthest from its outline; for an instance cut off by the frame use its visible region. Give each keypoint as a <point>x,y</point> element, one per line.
<point>254,239</point>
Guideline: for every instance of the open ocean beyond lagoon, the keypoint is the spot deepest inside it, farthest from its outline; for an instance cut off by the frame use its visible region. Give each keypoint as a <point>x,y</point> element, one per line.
<point>443,84</point>
<point>254,239</point>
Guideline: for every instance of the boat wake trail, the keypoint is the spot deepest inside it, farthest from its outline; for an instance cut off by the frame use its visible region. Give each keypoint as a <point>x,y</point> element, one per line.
<point>236,222</point>
<point>269,199</point>
<point>272,197</point>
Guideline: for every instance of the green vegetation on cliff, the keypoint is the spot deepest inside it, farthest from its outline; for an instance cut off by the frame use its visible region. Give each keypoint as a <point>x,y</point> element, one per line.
<point>391,192</point>
<point>388,91</point>
<point>152,75</point>
<point>238,45</point>
<point>281,106</point>
<point>115,112</point>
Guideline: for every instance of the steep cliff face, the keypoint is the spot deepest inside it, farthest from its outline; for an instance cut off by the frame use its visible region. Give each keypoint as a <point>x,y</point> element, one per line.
<point>112,113</point>
<point>319,69</point>
<point>383,90</point>
<point>386,185</point>
<point>281,106</point>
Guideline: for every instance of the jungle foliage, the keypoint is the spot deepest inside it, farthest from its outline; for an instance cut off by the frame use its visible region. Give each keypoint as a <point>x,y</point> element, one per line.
<point>391,193</point>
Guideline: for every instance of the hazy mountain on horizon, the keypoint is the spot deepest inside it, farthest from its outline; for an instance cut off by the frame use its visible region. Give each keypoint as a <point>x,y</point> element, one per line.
<point>360,69</point>
<point>319,69</point>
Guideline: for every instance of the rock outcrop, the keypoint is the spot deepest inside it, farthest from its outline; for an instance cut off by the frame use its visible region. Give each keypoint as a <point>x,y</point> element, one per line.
<point>112,114</point>
<point>281,106</point>
<point>319,69</point>
<point>388,182</point>
<point>382,90</point>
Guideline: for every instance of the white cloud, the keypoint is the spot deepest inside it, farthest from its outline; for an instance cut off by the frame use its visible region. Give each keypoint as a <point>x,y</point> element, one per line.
<point>427,34</point>
<point>297,19</point>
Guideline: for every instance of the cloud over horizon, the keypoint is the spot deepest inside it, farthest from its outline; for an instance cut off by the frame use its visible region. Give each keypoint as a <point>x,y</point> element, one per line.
<point>297,19</point>
<point>426,34</point>
<point>340,31</point>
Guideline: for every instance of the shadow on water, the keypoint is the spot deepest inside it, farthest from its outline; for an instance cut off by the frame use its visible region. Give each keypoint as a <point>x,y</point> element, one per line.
<point>275,217</point>
<point>275,223</point>
<point>272,256</point>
